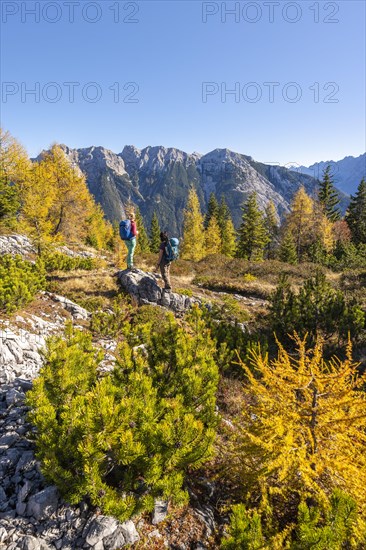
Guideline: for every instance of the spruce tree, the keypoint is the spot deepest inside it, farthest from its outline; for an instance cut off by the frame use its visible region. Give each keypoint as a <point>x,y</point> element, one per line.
<point>143,243</point>
<point>272,225</point>
<point>328,196</point>
<point>193,247</point>
<point>154,234</point>
<point>213,237</point>
<point>287,251</point>
<point>356,214</point>
<point>253,234</point>
<point>228,233</point>
<point>212,210</point>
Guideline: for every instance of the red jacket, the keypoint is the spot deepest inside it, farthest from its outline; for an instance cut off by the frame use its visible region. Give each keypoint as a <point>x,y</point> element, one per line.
<point>133,229</point>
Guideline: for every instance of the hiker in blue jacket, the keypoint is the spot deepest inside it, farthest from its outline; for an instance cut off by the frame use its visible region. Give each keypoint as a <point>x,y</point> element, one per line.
<point>163,263</point>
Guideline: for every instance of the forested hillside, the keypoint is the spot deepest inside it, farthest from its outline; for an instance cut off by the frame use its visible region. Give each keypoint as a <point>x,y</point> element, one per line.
<point>229,413</point>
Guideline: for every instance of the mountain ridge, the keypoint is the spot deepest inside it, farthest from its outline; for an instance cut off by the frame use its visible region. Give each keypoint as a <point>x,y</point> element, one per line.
<point>158,179</point>
<point>347,172</point>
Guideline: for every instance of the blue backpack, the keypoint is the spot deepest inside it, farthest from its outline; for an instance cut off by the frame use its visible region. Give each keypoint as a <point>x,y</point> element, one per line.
<point>125,230</point>
<point>172,250</point>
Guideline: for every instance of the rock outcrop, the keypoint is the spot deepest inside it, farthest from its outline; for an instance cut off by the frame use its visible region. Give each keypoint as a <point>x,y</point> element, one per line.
<point>16,244</point>
<point>144,289</point>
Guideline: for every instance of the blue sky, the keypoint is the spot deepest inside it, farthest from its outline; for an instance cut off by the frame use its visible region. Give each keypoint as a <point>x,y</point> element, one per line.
<point>177,61</point>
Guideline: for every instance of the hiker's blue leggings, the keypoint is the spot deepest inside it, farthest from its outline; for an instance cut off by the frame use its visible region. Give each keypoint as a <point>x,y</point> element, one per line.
<point>131,245</point>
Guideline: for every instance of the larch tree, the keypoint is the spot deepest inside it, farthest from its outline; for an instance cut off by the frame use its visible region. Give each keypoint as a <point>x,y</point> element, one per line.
<point>38,198</point>
<point>300,221</point>
<point>154,234</point>
<point>302,432</point>
<point>14,172</point>
<point>228,233</point>
<point>213,237</point>
<point>253,234</point>
<point>356,214</point>
<point>193,247</point>
<point>328,196</point>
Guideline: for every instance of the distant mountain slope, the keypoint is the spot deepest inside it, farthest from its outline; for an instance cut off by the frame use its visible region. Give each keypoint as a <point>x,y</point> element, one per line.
<point>159,178</point>
<point>348,172</point>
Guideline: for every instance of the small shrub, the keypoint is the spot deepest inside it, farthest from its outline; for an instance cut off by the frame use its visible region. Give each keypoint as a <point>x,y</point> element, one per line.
<point>113,322</point>
<point>129,437</point>
<point>249,278</point>
<point>57,261</point>
<point>316,308</point>
<point>184,291</point>
<point>19,282</point>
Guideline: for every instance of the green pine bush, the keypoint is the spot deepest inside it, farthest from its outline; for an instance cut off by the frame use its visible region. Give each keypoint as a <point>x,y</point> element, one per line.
<point>57,261</point>
<point>19,282</point>
<point>131,436</point>
<point>316,308</point>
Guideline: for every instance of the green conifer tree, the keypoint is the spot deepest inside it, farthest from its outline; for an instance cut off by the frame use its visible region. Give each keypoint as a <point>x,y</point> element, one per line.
<point>272,225</point>
<point>287,251</point>
<point>154,234</point>
<point>328,196</point>
<point>143,243</point>
<point>356,214</point>
<point>212,210</point>
<point>193,247</point>
<point>253,234</point>
<point>228,233</point>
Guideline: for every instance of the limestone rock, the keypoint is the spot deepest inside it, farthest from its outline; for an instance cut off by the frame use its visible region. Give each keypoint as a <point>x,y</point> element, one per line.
<point>144,289</point>
<point>43,504</point>
<point>101,527</point>
<point>129,532</point>
<point>160,511</point>
<point>16,244</point>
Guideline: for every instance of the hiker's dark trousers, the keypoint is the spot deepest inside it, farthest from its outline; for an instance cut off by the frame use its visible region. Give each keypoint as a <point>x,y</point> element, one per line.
<point>165,273</point>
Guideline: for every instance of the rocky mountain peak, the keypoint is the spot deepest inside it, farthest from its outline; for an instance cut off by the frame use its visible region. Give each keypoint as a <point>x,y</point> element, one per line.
<point>155,158</point>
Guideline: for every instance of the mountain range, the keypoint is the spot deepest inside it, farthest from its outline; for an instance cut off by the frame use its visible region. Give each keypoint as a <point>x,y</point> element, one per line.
<point>159,178</point>
<point>347,173</point>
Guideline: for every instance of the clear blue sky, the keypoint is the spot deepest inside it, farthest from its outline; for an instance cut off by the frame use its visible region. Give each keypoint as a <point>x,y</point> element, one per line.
<point>170,52</point>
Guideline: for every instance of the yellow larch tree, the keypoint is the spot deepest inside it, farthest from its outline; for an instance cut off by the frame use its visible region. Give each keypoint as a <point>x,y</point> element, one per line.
<point>300,221</point>
<point>302,432</point>
<point>193,232</point>
<point>14,172</point>
<point>213,237</point>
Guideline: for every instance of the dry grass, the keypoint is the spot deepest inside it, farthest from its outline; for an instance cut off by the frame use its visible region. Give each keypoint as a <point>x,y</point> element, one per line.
<point>91,289</point>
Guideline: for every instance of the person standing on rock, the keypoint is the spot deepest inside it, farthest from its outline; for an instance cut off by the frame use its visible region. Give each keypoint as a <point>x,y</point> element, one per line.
<point>163,263</point>
<point>131,242</point>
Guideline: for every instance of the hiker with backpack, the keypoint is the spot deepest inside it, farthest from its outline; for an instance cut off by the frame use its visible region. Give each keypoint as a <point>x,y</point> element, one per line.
<point>128,233</point>
<point>167,253</point>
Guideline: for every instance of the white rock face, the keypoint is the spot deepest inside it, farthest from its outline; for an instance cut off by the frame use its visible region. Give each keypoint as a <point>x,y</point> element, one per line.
<point>155,159</point>
<point>16,244</point>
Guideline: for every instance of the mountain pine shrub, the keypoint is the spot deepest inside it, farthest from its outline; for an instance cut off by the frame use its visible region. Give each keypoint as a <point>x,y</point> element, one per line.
<point>19,282</point>
<point>57,261</point>
<point>316,308</point>
<point>337,528</point>
<point>128,437</point>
